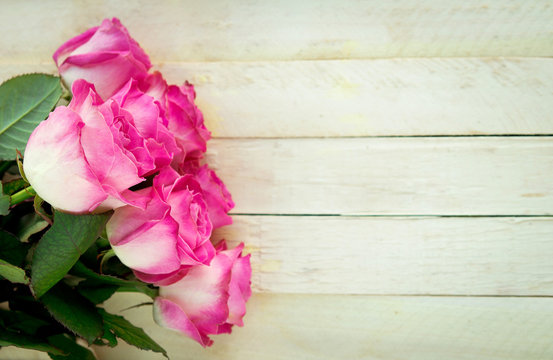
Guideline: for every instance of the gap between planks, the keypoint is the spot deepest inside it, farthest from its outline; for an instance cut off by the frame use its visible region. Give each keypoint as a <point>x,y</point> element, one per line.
<point>372,176</point>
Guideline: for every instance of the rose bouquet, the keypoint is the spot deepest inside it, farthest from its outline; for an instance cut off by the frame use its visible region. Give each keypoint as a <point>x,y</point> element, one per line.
<point>112,194</point>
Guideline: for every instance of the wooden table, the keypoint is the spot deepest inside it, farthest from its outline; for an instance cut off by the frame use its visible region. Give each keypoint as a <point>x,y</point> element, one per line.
<point>391,164</point>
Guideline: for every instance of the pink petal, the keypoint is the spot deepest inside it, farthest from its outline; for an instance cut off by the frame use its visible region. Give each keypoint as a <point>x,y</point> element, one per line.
<point>106,159</point>
<point>162,279</point>
<point>221,246</point>
<point>186,121</point>
<point>117,199</point>
<point>106,56</point>
<point>145,241</point>
<point>56,166</point>
<point>108,74</point>
<point>203,293</point>
<point>135,48</point>
<point>224,329</point>
<point>145,112</point>
<point>169,315</point>
<point>66,48</point>
<point>242,274</point>
<point>239,290</point>
<point>155,86</point>
<point>216,195</point>
<point>108,37</point>
<point>240,283</point>
<point>163,182</point>
<point>190,211</point>
<point>84,98</point>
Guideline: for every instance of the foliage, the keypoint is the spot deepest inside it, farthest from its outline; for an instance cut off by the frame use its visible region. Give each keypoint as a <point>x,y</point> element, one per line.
<point>25,101</point>
<point>53,274</point>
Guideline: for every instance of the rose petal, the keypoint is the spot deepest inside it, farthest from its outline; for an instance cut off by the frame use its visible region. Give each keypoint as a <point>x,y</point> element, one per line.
<point>106,56</point>
<point>186,121</point>
<point>239,290</point>
<point>162,279</point>
<point>203,293</point>
<point>56,167</point>
<point>108,74</point>
<point>145,240</point>
<point>69,46</point>
<point>169,315</point>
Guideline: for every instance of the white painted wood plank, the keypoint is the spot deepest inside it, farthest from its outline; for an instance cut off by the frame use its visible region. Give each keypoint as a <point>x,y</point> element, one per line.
<point>196,30</point>
<point>388,176</point>
<point>367,255</point>
<point>7,71</point>
<point>315,327</point>
<point>15,353</point>
<point>373,97</point>
<point>366,97</point>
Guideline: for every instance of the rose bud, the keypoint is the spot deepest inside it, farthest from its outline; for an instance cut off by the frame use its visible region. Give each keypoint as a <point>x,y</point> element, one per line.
<point>104,55</point>
<point>208,299</point>
<point>169,236</point>
<point>184,118</point>
<point>217,197</point>
<point>86,156</point>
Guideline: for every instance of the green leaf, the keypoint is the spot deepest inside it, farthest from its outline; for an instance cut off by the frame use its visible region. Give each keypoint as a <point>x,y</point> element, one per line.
<point>74,312</point>
<point>13,273</point>
<point>14,186</point>
<point>131,334</point>
<point>96,294</point>
<point>81,270</point>
<point>11,249</point>
<point>21,321</point>
<point>29,225</point>
<point>60,248</point>
<point>4,202</point>
<point>25,101</point>
<point>108,338</point>
<point>72,350</point>
<point>5,166</point>
<point>24,341</point>
<point>21,300</point>
<point>96,280</point>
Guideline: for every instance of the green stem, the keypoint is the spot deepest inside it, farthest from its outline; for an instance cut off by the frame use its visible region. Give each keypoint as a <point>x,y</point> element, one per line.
<point>22,195</point>
<point>153,293</point>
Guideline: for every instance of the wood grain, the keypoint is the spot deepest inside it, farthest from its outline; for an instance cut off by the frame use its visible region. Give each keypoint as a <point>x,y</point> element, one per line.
<point>196,30</point>
<point>297,94</point>
<point>315,327</point>
<point>382,97</point>
<point>364,255</point>
<point>388,176</point>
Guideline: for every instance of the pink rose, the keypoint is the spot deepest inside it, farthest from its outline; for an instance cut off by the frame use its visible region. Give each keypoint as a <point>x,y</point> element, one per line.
<point>161,242</point>
<point>185,120</point>
<point>87,155</point>
<point>209,299</point>
<point>148,118</point>
<point>106,56</point>
<point>217,197</point>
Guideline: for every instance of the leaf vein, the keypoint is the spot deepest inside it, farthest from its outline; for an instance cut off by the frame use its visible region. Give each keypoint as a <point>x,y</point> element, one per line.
<point>9,125</point>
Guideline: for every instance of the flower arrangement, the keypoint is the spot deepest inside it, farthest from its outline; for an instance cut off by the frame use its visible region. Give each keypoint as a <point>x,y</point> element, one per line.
<point>112,194</point>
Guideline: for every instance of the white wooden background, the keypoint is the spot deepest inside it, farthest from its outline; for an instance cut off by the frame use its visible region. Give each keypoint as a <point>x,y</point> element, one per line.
<point>391,162</point>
